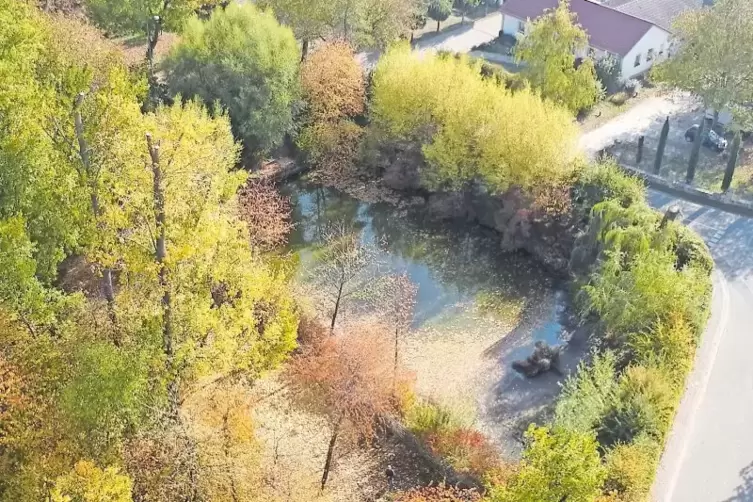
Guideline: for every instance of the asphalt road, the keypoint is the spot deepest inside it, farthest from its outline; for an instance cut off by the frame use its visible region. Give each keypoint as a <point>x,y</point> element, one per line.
<point>709,455</point>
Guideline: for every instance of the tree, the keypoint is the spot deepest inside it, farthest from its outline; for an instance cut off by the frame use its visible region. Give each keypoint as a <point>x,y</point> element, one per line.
<point>732,162</point>
<point>709,62</point>
<point>399,301</point>
<point>344,267</point>
<point>548,52</point>
<point>332,83</point>
<point>243,59</point>
<point>662,145</point>
<point>348,380</point>
<point>148,17</point>
<point>466,6</point>
<point>557,465</point>
<point>439,10</point>
<point>88,483</point>
<point>437,104</point>
<point>363,23</point>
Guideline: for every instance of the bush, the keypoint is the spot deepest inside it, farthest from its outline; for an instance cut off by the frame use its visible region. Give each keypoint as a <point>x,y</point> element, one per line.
<point>243,59</point>
<point>608,72</point>
<point>669,345</point>
<point>618,99</point>
<point>441,493</point>
<point>557,465</point>
<point>690,249</point>
<point>586,396</point>
<point>643,405</point>
<point>632,87</point>
<point>428,418</point>
<point>631,469</point>
<point>604,180</point>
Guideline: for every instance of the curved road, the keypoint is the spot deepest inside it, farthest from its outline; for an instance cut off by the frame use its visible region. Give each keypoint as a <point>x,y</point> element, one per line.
<point>709,455</point>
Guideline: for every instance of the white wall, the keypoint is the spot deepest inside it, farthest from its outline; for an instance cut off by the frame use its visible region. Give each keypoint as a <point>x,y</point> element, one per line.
<point>653,39</point>
<point>510,25</point>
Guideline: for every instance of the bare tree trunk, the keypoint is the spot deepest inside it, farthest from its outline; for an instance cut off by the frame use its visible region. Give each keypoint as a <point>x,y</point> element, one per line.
<point>438,26</point>
<point>304,49</point>
<point>83,151</point>
<point>160,254</point>
<point>337,307</point>
<point>715,120</point>
<point>330,452</point>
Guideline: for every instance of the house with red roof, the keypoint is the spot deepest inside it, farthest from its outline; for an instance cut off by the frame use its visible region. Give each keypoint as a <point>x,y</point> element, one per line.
<point>636,32</point>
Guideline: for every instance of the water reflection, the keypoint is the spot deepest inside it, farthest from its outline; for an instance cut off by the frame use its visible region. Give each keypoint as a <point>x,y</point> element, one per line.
<point>454,267</point>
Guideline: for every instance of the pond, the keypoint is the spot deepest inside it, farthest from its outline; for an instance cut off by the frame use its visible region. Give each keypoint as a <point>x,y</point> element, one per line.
<point>477,308</point>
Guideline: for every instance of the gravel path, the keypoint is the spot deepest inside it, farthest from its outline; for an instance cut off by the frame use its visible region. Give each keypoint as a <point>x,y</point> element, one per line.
<point>647,115</point>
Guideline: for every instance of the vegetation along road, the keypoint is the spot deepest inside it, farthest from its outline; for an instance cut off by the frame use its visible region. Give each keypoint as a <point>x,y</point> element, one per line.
<point>709,456</point>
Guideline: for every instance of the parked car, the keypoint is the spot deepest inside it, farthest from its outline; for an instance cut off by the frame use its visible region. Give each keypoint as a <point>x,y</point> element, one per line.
<point>712,139</point>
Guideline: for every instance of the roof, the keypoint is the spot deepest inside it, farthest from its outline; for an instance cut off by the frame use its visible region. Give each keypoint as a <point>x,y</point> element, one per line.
<point>662,13</point>
<point>608,29</point>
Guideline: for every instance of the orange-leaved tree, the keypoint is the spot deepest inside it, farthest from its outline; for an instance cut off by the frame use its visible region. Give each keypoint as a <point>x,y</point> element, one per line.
<point>349,381</point>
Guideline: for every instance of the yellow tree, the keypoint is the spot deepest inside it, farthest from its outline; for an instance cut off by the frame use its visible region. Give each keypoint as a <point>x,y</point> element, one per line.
<point>470,128</point>
<point>548,51</point>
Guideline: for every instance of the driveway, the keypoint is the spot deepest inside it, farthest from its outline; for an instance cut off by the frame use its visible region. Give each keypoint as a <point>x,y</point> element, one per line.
<point>461,39</point>
<point>646,118</point>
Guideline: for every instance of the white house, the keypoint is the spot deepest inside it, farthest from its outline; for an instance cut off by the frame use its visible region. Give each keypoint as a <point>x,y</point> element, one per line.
<point>636,32</point>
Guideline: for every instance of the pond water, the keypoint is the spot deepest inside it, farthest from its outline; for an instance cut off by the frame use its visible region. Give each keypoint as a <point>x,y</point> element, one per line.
<point>477,309</point>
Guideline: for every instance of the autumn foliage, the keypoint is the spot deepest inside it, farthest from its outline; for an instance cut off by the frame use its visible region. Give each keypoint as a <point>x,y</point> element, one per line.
<point>440,493</point>
<point>266,212</point>
<point>332,83</point>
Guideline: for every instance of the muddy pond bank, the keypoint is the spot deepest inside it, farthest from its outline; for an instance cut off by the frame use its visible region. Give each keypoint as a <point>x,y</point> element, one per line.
<point>478,307</point>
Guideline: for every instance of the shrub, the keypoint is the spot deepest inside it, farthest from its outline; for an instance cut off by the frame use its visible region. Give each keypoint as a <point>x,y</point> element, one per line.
<point>631,468</point>
<point>600,181</point>
<point>557,464</point>
<point>243,59</point>
<point>467,450</point>
<point>690,248</point>
<point>669,345</point>
<point>643,405</point>
<point>608,72</point>
<point>618,99</point>
<point>586,396</point>
<point>429,418</point>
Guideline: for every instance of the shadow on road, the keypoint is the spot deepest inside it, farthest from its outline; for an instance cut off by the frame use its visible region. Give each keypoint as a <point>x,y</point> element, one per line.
<point>744,492</point>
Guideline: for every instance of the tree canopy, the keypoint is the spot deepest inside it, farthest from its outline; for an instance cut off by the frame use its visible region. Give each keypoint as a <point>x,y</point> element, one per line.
<point>713,58</point>
<point>548,51</point>
<point>470,128</point>
<point>244,60</point>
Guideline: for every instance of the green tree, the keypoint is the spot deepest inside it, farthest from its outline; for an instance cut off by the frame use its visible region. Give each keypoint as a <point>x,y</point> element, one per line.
<point>548,52</point>
<point>709,62</point>
<point>144,17</point>
<point>243,59</point>
<point>557,465</point>
<point>439,10</point>
<point>466,6</point>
